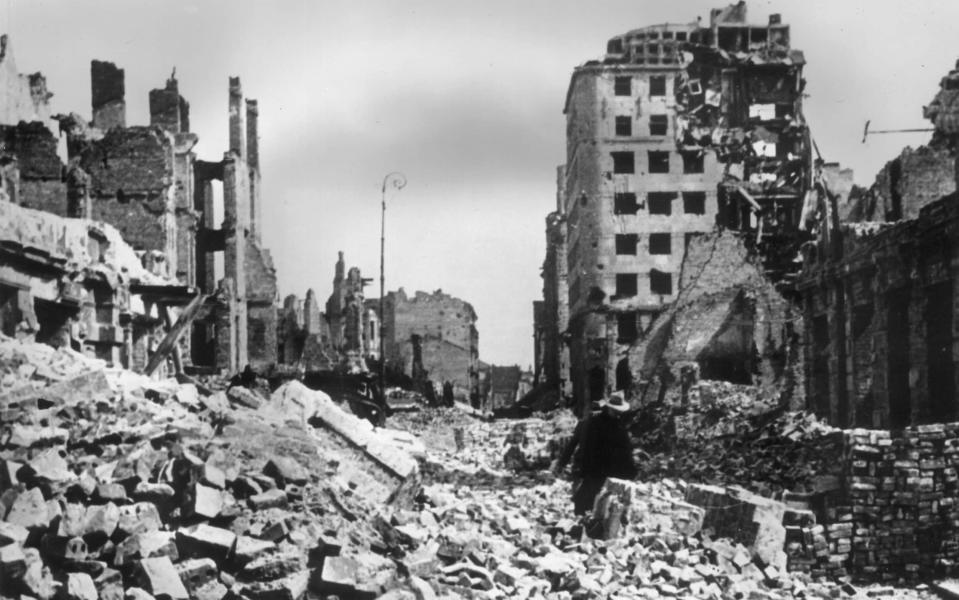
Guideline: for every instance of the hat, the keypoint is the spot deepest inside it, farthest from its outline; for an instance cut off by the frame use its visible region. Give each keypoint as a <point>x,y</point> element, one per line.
<point>617,403</point>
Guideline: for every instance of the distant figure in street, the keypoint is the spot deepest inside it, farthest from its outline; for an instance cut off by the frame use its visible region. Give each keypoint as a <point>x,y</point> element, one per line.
<point>602,449</point>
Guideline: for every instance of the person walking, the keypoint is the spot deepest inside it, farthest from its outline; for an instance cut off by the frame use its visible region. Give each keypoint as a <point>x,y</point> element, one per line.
<point>602,449</point>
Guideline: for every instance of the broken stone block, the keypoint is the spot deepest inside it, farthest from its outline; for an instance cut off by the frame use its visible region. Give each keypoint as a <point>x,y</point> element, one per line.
<point>29,510</point>
<point>140,517</point>
<point>284,470</point>
<point>205,541</point>
<point>196,572</point>
<point>28,436</point>
<point>11,533</point>
<point>13,564</point>
<point>207,501</point>
<point>275,498</point>
<point>135,593</point>
<point>146,545</point>
<point>249,548</point>
<point>110,492</point>
<point>101,521</point>
<point>156,493</point>
<point>79,586</point>
<point>242,396</point>
<point>338,576</point>
<point>158,577</point>
<point>273,531</point>
<point>508,575</point>
<point>109,584</point>
<point>213,476</point>
<point>272,566</point>
<point>50,465</point>
<point>37,578</point>
<point>292,587</point>
<point>422,589</point>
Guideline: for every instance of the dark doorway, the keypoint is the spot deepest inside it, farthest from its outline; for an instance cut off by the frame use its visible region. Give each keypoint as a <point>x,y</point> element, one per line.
<point>897,367</point>
<point>597,383</point>
<point>820,371</point>
<point>624,379</point>
<point>939,351</point>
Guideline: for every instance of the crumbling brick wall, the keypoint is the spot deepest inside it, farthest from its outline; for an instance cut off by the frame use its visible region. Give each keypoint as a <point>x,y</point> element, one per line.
<point>879,306</point>
<point>912,180</point>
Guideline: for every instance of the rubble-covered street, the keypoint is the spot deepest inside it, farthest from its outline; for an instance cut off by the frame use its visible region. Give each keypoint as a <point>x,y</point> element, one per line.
<point>119,486</point>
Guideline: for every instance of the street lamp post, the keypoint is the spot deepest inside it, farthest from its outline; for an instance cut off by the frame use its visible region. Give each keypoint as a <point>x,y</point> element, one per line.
<point>396,180</point>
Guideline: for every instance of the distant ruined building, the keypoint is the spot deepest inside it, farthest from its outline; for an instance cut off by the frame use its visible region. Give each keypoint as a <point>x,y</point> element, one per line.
<point>682,137</point>
<point>145,182</point>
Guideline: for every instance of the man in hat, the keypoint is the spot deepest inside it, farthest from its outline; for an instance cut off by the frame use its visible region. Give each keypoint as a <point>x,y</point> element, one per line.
<point>602,448</point>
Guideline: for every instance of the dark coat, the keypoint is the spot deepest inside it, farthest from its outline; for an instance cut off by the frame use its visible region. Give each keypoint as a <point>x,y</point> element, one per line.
<point>602,448</point>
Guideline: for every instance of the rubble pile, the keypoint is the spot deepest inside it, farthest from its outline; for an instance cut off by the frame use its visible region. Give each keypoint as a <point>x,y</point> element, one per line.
<point>468,442</point>
<point>726,433</point>
<point>113,485</point>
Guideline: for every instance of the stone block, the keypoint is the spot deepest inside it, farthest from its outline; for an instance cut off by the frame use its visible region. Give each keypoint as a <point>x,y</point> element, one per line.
<point>158,577</point>
<point>29,510</point>
<point>284,469</point>
<point>79,586</point>
<point>207,501</point>
<point>205,541</point>
<point>275,498</point>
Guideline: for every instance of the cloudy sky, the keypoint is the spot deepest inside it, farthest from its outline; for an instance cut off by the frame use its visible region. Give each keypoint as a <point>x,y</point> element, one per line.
<point>464,97</point>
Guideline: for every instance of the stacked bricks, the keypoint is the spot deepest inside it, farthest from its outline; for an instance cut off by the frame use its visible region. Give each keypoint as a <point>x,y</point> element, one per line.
<point>902,514</point>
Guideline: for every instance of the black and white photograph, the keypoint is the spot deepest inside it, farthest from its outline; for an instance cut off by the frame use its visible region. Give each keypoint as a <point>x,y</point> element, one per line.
<point>501,299</point>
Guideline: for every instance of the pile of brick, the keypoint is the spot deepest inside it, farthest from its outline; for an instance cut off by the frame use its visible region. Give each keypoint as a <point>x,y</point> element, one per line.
<point>116,486</point>
<point>899,517</point>
<point>729,434</point>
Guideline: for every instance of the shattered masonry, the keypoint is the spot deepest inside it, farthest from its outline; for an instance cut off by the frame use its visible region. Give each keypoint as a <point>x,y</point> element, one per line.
<point>680,129</point>
<point>146,181</point>
<point>432,337</point>
<point>348,331</point>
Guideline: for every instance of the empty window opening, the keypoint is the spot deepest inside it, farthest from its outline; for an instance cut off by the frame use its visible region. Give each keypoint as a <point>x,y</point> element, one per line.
<point>692,162</point>
<point>660,283</point>
<point>615,46</point>
<point>626,243</point>
<point>939,309</point>
<point>597,383</point>
<point>658,124</point>
<point>626,330</point>
<point>626,284</point>
<point>624,203</point>
<point>680,36</point>
<point>623,162</point>
<point>660,243</point>
<point>623,86</point>
<point>660,203</point>
<point>694,203</point>
<point>624,126</point>
<point>658,162</point>
<point>657,83</point>
<point>897,366</point>
<point>624,379</point>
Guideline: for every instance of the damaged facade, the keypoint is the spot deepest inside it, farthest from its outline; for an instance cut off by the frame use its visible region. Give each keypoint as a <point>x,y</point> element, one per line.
<point>346,335</point>
<point>679,130</point>
<point>879,287</point>
<point>146,182</point>
<point>432,337</point>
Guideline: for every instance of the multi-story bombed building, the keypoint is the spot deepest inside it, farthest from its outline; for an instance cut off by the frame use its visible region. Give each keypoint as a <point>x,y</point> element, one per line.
<point>680,128</point>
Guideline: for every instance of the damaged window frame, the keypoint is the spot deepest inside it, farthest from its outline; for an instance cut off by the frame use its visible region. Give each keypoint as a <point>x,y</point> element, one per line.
<point>625,203</point>
<point>660,244</point>
<point>626,244</point>
<point>627,285</point>
<point>693,162</point>
<point>660,203</point>
<point>624,162</point>
<point>624,126</point>
<point>694,203</point>
<point>623,85</point>
<point>660,283</point>
<point>657,86</point>
<point>658,125</point>
<point>658,162</point>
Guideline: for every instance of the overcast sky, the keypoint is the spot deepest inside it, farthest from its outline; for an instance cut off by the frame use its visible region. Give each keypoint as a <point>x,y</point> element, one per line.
<point>464,97</point>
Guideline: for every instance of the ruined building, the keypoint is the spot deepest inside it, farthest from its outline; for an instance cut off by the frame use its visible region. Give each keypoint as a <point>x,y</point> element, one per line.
<point>432,337</point>
<point>879,287</point>
<point>551,314</point>
<point>146,182</point>
<point>678,130</point>
<point>342,338</point>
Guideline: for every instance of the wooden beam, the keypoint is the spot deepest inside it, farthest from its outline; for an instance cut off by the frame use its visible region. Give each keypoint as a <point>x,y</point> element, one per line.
<point>173,334</point>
